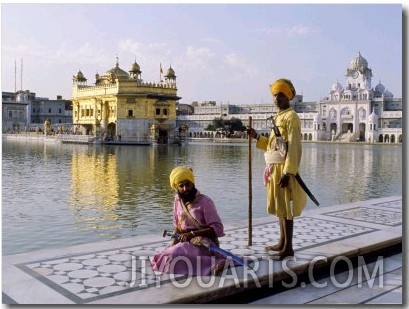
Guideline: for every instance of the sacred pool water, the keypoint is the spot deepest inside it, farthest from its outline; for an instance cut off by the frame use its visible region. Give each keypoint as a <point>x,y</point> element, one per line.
<point>57,195</point>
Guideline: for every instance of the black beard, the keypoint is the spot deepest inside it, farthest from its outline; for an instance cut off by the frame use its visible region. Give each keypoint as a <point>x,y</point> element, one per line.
<point>188,197</point>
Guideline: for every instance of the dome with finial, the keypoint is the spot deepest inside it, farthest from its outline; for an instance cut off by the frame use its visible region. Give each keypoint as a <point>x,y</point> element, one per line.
<point>135,68</point>
<point>170,73</point>
<point>116,72</point>
<point>79,77</point>
<point>359,63</point>
<point>387,94</point>
<point>380,88</point>
<point>336,87</point>
<point>373,117</point>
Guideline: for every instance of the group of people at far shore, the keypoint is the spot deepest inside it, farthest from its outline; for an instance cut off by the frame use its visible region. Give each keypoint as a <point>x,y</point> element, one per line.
<point>195,217</point>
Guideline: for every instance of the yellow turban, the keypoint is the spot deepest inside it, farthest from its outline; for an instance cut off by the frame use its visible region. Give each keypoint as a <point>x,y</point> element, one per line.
<point>180,174</point>
<point>285,86</point>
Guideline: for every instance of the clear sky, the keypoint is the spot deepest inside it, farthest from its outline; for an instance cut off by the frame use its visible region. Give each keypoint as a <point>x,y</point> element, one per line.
<point>221,52</point>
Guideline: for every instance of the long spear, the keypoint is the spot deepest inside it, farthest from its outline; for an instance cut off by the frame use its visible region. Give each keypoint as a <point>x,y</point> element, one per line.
<point>250,242</point>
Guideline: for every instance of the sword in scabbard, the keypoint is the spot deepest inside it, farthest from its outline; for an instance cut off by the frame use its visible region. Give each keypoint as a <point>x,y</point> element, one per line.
<point>305,188</point>
<point>213,248</point>
<point>297,176</point>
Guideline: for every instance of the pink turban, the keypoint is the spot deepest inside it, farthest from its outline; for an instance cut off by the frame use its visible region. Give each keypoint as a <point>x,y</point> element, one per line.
<point>285,86</point>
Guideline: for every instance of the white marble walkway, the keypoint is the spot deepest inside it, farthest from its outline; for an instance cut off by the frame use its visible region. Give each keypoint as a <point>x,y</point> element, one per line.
<point>118,271</point>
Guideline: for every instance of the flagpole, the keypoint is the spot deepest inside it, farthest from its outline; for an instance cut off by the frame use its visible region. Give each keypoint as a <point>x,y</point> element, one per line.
<point>160,72</point>
<point>250,242</point>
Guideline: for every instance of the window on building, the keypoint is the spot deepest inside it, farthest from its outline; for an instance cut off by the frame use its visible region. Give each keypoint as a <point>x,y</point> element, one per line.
<point>49,110</point>
<point>59,111</point>
<point>130,113</point>
<point>165,111</point>
<point>157,111</point>
<point>111,112</point>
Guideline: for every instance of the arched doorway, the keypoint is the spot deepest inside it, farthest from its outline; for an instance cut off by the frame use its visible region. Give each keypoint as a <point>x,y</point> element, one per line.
<point>162,136</point>
<point>16,127</point>
<point>362,128</point>
<point>393,139</point>
<point>87,129</point>
<point>111,130</point>
<point>347,127</point>
<point>333,128</point>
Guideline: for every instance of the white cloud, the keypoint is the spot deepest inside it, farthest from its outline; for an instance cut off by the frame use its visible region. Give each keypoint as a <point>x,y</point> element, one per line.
<point>131,46</point>
<point>239,67</point>
<point>200,59</point>
<point>300,30</point>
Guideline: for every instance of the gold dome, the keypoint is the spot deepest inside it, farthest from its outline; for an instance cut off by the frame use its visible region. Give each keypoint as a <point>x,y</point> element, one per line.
<point>79,77</point>
<point>116,72</point>
<point>135,68</point>
<point>170,73</point>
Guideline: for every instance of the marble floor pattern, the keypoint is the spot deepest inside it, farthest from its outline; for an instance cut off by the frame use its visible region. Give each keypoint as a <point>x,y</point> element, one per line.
<point>85,277</point>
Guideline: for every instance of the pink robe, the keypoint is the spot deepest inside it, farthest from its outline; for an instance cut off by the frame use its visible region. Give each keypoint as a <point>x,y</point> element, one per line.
<point>186,258</point>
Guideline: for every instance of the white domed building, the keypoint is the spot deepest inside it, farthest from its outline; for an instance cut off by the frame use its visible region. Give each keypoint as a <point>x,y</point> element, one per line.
<point>353,112</point>
<point>357,111</point>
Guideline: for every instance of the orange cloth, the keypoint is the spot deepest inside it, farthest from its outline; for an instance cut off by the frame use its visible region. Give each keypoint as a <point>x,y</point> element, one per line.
<point>285,86</point>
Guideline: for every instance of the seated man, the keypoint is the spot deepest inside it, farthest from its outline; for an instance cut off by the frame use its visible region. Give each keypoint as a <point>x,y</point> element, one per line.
<point>195,219</point>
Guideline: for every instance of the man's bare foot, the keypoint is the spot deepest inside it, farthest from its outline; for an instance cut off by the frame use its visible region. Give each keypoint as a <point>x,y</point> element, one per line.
<point>277,247</point>
<point>218,269</point>
<point>282,254</point>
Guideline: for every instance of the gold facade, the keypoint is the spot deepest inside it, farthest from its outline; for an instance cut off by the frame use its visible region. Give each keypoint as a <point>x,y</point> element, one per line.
<point>122,107</point>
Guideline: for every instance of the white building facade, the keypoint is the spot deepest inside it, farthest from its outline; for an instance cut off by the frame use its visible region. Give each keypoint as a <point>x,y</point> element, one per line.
<point>355,112</point>
<point>22,111</point>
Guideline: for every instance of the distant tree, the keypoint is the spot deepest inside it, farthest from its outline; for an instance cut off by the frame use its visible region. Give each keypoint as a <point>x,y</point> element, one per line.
<point>227,127</point>
<point>236,125</point>
<point>216,124</point>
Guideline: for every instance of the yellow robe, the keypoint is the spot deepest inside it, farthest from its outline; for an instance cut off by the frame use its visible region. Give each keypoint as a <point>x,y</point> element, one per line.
<point>290,201</point>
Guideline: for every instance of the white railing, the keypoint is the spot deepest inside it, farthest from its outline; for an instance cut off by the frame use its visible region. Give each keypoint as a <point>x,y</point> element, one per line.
<point>73,138</point>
